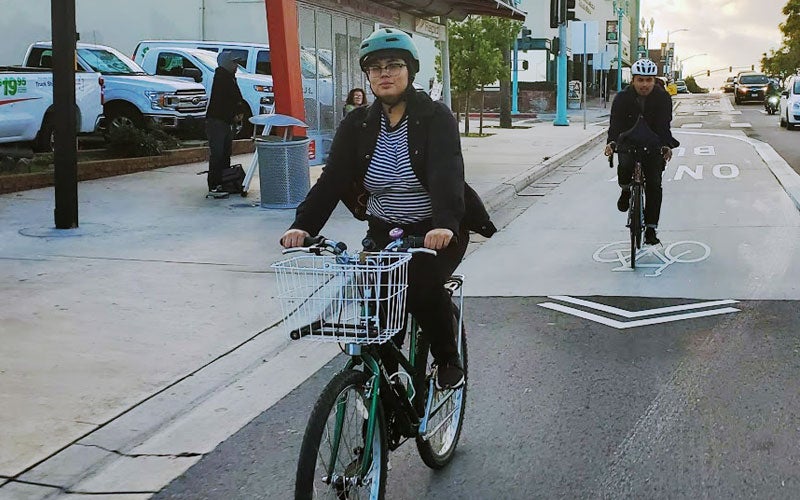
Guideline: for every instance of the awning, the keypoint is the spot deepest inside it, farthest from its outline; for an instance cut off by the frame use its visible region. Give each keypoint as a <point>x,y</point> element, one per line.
<point>456,9</point>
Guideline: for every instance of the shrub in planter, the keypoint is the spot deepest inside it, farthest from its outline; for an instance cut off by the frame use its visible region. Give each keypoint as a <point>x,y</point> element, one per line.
<point>128,141</point>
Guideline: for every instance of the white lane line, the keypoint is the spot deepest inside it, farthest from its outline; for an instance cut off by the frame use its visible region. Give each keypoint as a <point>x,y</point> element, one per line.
<point>638,314</point>
<point>622,325</point>
<point>740,125</point>
<point>701,113</point>
<point>692,125</point>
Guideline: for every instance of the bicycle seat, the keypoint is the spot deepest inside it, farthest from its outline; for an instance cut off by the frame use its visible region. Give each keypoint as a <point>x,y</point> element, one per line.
<point>640,136</point>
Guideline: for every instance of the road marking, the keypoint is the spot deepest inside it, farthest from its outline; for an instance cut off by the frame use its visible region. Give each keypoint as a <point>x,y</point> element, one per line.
<point>692,125</point>
<point>638,314</point>
<point>701,113</point>
<point>740,125</point>
<point>734,112</point>
<point>620,251</point>
<point>623,325</point>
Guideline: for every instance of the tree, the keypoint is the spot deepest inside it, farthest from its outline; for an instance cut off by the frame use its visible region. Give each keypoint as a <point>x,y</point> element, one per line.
<point>474,59</point>
<point>786,60</point>
<point>501,33</point>
<point>693,87</point>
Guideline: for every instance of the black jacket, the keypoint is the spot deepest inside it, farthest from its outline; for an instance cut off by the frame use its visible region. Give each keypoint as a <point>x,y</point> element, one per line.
<point>657,113</point>
<point>226,98</point>
<point>434,146</point>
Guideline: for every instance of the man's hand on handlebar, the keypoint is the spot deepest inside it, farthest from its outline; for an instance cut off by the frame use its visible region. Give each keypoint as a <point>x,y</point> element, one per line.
<point>666,152</point>
<point>609,149</point>
<point>293,238</point>
<point>438,239</point>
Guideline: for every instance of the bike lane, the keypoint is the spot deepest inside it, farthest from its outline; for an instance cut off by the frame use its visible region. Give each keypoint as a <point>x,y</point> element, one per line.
<point>728,230</point>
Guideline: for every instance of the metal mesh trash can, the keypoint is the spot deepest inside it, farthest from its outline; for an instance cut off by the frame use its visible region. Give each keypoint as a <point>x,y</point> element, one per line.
<point>283,171</point>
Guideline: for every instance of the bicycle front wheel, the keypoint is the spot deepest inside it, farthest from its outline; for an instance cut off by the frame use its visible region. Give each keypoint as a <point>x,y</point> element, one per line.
<point>333,448</point>
<point>446,418</point>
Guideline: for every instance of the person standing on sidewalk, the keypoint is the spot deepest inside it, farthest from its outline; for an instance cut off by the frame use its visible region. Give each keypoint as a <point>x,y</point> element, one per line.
<point>643,97</point>
<point>223,107</point>
<point>398,163</point>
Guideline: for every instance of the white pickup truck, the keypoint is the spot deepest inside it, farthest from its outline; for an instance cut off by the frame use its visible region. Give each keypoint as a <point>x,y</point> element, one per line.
<point>131,95</point>
<point>256,89</point>
<point>26,105</point>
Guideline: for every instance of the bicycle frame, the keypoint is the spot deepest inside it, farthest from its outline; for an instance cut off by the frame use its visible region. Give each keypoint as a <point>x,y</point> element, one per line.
<point>371,358</point>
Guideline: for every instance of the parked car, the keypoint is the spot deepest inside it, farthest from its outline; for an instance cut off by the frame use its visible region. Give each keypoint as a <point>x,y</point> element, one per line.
<point>681,87</point>
<point>316,67</point>
<point>789,107</point>
<point>26,105</point>
<point>132,96</point>
<point>750,86</point>
<point>257,90</point>
<point>728,86</point>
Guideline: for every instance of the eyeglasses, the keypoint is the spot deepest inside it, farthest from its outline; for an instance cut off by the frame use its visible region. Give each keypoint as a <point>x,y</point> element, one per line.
<point>392,69</point>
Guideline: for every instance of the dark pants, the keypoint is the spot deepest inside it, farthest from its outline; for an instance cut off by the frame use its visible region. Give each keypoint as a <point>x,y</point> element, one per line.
<point>220,141</point>
<point>653,167</point>
<point>427,300</point>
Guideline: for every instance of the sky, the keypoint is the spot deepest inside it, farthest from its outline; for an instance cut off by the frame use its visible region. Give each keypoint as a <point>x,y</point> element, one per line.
<point>731,33</point>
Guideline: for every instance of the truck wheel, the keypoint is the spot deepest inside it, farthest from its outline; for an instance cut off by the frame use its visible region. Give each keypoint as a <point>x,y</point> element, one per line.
<point>44,139</point>
<point>120,116</point>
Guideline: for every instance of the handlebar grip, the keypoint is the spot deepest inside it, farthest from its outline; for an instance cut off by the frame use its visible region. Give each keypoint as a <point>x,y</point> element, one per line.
<point>414,241</point>
<point>313,240</point>
<point>611,160</point>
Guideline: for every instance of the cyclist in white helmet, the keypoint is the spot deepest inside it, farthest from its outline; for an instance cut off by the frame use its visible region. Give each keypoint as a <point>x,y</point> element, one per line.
<point>643,97</point>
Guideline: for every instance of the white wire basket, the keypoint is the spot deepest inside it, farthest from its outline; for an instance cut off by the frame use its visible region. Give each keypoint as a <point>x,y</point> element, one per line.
<point>362,302</point>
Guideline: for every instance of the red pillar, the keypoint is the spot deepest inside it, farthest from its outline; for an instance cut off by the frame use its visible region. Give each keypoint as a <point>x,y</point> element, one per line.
<point>284,48</point>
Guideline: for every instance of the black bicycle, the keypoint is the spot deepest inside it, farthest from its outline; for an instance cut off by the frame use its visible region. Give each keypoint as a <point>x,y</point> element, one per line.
<point>385,394</point>
<point>636,201</point>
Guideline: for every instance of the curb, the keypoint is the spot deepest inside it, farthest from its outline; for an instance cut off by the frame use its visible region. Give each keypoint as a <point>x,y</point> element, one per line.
<point>500,195</point>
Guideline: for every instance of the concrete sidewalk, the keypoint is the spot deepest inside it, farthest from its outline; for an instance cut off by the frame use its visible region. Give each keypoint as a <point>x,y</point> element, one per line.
<point>117,334</point>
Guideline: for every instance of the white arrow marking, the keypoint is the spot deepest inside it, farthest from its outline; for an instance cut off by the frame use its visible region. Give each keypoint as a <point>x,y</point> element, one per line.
<point>621,325</point>
<point>638,314</point>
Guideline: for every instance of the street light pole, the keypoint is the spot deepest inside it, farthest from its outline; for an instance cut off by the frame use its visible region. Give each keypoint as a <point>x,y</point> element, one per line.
<point>647,32</point>
<point>619,9</point>
<point>669,57</point>
<point>687,58</point>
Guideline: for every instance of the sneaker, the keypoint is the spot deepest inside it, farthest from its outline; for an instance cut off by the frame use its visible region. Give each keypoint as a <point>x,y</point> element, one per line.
<point>217,192</point>
<point>624,201</point>
<point>650,237</point>
<point>449,375</point>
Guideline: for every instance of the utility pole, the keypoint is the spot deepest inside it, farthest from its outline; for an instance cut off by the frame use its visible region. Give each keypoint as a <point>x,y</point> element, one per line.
<point>62,15</point>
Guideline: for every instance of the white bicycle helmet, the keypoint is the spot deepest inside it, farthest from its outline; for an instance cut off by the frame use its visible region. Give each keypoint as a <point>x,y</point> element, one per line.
<point>644,67</point>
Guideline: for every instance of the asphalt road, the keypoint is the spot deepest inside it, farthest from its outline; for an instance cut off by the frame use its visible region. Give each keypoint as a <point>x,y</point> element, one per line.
<point>597,395</point>
<point>561,407</point>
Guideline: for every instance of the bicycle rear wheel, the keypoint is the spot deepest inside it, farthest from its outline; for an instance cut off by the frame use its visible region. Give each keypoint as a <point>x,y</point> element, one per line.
<point>336,433</point>
<point>635,216</point>
<point>437,445</point>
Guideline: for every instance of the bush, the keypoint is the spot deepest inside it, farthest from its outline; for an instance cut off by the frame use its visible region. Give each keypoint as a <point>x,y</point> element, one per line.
<point>693,87</point>
<point>129,142</point>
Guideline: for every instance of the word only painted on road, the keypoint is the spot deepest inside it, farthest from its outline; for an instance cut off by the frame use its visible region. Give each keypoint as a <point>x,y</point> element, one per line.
<point>652,257</point>
<point>698,171</point>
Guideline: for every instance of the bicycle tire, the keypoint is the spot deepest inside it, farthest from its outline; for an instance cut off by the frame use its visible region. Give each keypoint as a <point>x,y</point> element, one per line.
<point>636,222</point>
<point>308,480</point>
<point>437,459</point>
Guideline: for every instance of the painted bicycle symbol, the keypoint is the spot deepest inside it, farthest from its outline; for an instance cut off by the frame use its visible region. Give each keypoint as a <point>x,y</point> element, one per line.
<point>653,257</point>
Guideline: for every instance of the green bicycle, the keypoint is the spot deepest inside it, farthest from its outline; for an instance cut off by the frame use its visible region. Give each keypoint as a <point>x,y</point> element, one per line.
<point>385,394</point>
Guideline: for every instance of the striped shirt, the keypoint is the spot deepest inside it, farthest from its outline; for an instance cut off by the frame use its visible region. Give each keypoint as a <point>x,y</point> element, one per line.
<point>396,195</point>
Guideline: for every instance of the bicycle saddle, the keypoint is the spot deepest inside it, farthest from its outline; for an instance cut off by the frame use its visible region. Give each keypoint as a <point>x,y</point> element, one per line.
<point>640,135</point>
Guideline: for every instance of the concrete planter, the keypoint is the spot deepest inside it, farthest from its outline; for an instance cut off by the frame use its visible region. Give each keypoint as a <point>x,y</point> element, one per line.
<point>98,169</point>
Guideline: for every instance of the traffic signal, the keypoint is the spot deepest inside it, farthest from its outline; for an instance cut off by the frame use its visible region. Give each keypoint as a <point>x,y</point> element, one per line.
<point>730,69</point>
<point>554,17</point>
<point>524,65</point>
<point>556,45</point>
<point>752,67</point>
<point>570,10</point>
<point>708,72</point>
